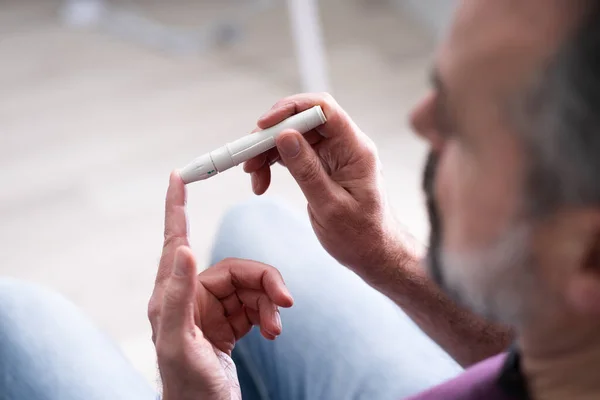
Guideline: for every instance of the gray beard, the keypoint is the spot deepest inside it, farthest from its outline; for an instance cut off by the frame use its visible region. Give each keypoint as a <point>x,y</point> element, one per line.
<point>496,282</point>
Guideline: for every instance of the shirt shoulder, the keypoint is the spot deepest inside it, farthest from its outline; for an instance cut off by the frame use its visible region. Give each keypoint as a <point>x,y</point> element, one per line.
<point>479,382</point>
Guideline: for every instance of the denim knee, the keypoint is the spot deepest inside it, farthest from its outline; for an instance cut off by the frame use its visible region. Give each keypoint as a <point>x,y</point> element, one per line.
<point>19,298</point>
<point>262,211</point>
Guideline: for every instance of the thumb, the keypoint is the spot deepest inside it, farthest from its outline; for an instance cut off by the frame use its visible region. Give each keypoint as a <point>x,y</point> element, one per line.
<point>305,166</point>
<point>180,294</point>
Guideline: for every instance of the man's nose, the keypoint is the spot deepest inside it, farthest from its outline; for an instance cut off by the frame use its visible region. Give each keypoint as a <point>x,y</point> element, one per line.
<point>423,120</point>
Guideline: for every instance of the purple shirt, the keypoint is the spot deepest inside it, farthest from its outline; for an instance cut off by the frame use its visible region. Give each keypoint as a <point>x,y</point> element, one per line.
<point>480,382</point>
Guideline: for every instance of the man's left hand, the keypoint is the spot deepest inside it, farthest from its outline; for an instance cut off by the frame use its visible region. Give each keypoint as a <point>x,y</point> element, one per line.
<point>196,319</point>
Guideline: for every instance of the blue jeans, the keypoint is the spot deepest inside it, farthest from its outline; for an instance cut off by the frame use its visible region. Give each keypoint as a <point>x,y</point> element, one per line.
<point>341,340</point>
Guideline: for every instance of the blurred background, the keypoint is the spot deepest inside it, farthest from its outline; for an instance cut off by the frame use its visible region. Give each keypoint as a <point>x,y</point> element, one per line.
<point>100,100</point>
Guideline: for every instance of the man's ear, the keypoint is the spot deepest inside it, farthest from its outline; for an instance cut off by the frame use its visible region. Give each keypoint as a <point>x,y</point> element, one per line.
<point>570,253</point>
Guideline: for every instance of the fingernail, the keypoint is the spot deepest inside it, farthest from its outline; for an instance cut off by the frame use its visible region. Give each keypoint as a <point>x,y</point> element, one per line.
<point>179,269</point>
<point>254,180</point>
<point>289,146</point>
<point>268,335</point>
<point>278,320</point>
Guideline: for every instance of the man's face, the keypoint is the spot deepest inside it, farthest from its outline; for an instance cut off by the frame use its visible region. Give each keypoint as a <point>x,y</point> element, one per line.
<point>475,175</point>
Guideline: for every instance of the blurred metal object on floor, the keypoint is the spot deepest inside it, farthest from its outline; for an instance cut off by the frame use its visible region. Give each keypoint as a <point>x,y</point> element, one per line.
<point>129,23</point>
<point>310,49</point>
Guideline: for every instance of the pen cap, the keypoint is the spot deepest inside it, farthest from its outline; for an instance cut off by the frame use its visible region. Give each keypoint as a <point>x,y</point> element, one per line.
<point>254,144</point>
<point>312,118</point>
<point>301,122</point>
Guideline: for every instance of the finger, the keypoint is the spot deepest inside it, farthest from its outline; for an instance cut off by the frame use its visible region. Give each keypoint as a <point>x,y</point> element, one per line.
<point>255,320</point>
<point>338,122</point>
<point>231,304</point>
<point>240,323</point>
<point>276,159</point>
<point>305,166</point>
<point>267,335</point>
<point>261,179</point>
<point>253,315</point>
<point>232,274</point>
<point>268,157</point>
<point>177,316</point>
<point>267,310</point>
<point>271,156</point>
<point>175,227</point>
<point>313,137</point>
<point>255,163</point>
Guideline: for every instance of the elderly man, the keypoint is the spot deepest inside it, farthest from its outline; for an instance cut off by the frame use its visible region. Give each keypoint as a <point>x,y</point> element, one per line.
<point>514,255</point>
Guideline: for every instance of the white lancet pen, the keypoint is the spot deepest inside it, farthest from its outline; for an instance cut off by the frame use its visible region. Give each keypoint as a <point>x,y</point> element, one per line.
<point>249,146</point>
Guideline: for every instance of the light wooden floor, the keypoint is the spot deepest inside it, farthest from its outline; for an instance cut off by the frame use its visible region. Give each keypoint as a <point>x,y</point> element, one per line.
<point>90,127</point>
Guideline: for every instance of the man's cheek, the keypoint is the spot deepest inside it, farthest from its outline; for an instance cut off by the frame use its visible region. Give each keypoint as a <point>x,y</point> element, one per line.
<point>454,205</point>
<point>455,199</point>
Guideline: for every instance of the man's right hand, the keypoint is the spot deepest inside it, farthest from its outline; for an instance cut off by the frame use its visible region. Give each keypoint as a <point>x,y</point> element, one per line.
<point>339,172</point>
<point>337,168</point>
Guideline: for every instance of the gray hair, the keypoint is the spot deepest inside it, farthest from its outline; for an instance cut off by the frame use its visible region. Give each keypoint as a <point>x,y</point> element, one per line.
<point>562,123</point>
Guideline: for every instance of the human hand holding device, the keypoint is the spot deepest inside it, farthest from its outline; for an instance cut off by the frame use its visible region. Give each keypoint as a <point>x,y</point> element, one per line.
<point>337,167</point>
<point>249,146</point>
<point>196,319</point>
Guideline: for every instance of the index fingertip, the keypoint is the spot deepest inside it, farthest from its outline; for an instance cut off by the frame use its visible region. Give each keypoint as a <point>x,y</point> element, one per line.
<point>176,182</point>
<point>176,191</point>
<point>175,176</point>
